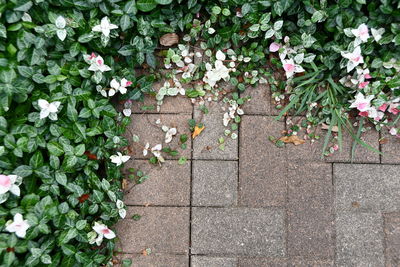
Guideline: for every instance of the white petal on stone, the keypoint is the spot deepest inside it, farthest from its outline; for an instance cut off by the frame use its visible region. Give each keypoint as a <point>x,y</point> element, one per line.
<point>127,112</point>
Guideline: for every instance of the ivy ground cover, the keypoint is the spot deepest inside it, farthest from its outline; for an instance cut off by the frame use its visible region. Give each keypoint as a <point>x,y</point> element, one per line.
<point>63,61</point>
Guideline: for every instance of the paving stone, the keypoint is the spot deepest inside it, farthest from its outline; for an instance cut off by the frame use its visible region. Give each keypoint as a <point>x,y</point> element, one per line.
<point>168,184</point>
<point>359,239</point>
<point>392,240</point>
<point>390,149</point>
<point>310,210</point>
<point>309,263</point>
<point>262,165</point>
<point>262,262</point>
<point>238,231</point>
<point>171,104</point>
<point>363,187</point>
<point>260,102</point>
<point>148,131</point>
<point>156,260</point>
<point>205,146</point>
<point>268,262</point>
<point>162,229</point>
<point>214,183</point>
<point>313,151</point>
<point>205,261</point>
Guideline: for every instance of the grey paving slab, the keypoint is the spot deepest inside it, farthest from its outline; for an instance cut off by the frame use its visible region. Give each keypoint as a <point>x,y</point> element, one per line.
<point>167,184</point>
<point>260,100</point>
<point>262,165</point>
<point>235,231</point>
<point>162,229</point>
<point>310,217</point>
<point>262,262</point>
<point>156,260</point>
<point>171,104</point>
<point>312,151</point>
<point>144,126</point>
<point>392,239</point>
<point>363,187</point>
<point>214,183</point>
<point>205,261</point>
<point>206,145</point>
<point>390,148</point>
<point>359,239</point>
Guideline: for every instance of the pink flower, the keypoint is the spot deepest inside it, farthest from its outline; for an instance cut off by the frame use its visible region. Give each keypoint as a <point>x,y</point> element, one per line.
<point>362,85</point>
<point>383,107</point>
<point>393,109</point>
<point>273,47</point>
<point>335,147</point>
<point>291,68</point>
<point>361,34</point>
<point>10,183</point>
<point>361,102</point>
<point>363,113</point>
<point>367,76</point>
<point>393,131</point>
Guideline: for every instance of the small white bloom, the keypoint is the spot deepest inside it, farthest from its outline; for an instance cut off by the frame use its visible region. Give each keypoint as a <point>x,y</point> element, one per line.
<point>220,55</point>
<point>18,226</point>
<point>10,183</point>
<point>377,33</point>
<point>156,151</point>
<point>232,64</point>
<point>104,27</point>
<point>120,207</point>
<point>127,112</point>
<point>119,87</point>
<point>169,134</point>
<point>211,30</point>
<point>119,158</point>
<point>198,54</point>
<point>97,64</point>
<point>393,131</point>
<point>48,109</point>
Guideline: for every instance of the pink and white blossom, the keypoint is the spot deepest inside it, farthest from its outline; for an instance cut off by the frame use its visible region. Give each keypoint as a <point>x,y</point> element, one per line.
<point>355,58</point>
<point>361,34</point>
<point>361,102</point>
<point>291,68</point>
<point>97,64</point>
<point>10,183</point>
<point>102,231</point>
<point>119,86</point>
<point>18,226</point>
<point>273,47</point>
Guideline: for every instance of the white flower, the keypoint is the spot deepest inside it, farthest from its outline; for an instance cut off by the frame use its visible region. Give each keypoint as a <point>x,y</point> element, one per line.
<point>211,30</point>
<point>377,33</point>
<point>121,210</point>
<point>220,71</point>
<point>18,226</point>
<point>146,149</point>
<point>104,27</point>
<point>97,64</point>
<point>355,58</point>
<point>393,131</point>
<point>198,54</point>
<point>61,31</point>
<point>10,183</point>
<point>119,158</point>
<point>361,102</point>
<point>226,119</point>
<point>291,68</point>
<point>156,151</point>
<point>48,109</point>
<point>119,87</point>
<point>361,34</point>
<point>127,112</point>
<point>102,231</point>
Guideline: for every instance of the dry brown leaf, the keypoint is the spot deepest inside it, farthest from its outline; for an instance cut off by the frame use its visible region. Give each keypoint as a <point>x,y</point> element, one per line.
<point>326,127</point>
<point>383,141</point>
<point>169,39</point>
<point>124,184</point>
<point>197,131</point>
<point>294,139</point>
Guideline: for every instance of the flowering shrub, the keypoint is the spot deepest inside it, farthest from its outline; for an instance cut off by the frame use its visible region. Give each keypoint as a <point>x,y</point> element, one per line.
<point>61,61</point>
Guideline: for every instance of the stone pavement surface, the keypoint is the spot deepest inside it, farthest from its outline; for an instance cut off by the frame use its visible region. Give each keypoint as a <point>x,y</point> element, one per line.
<point>255,204</point>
